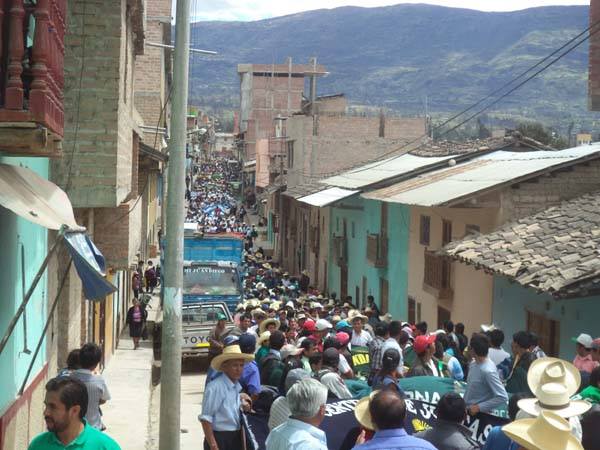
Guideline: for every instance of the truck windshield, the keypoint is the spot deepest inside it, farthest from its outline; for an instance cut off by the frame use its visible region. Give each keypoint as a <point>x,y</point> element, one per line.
<point>210,280</point>
<point>201,313</point>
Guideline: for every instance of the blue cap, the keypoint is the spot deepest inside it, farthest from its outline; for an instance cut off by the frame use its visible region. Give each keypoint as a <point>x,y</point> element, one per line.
<point>341,325</point>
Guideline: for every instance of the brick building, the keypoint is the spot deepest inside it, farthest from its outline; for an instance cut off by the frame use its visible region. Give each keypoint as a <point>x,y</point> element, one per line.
<point>103,172</point>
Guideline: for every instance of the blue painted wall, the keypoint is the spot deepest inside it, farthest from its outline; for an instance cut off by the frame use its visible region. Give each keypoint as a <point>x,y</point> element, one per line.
<point>15,231</point>
<point>359,223</point>
<point>512,301</point>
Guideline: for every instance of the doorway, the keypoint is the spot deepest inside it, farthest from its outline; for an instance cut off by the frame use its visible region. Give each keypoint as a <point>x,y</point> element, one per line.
<point>548,332</point>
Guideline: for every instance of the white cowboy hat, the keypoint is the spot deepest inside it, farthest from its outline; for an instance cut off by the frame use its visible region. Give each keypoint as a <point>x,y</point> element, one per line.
<point>485,328</point>
<point>230,352</point>
<point>289,350</point>
<point>387,317</point>
<point>264,337</point>
<point>264,323</point>
<point>553,382</point>
<point>362,413</point>
<point>548,431</point>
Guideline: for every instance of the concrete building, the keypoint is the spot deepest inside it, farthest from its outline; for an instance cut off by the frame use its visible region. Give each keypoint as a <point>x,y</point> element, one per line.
<point>31,132</point>
<point>541,273</point>
<point>321,144</point>
<point>455,195</point>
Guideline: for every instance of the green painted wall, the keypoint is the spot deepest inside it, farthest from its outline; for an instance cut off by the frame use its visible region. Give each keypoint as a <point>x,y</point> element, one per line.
<point>14,232</point>
<point>577,315</point>
<point>364,216</point>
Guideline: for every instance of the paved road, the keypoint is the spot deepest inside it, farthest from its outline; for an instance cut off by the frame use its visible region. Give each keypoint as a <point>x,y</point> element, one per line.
<point>193,378</point>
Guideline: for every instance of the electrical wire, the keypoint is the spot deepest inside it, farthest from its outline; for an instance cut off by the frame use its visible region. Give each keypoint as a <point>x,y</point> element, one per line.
<point>380,159</point>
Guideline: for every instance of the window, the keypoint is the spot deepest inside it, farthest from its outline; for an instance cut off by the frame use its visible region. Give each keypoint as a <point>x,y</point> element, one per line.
<point>446,232</point>
<point>290,154</point>
<point>443,317</point>
<point>472,229</point>
<point>337,224</point>
<point>353,229</point>
<point>424,228</point>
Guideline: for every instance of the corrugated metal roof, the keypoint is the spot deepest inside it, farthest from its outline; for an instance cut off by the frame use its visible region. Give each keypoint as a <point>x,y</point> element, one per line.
<point>442,186</point>
<point>382,170</point>
<point>327,197</point>
<point>304,189</point>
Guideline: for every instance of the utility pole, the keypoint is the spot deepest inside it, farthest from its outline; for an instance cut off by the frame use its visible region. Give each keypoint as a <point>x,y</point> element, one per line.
<point>170,391</point>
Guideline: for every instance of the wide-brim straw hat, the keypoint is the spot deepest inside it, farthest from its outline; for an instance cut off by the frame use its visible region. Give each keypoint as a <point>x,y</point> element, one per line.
<point>355,314</point>
<point>264,337</point>
<point>553,382</point>
<point>362,413</point>
<point>231,352</point>
<point>548,431</point>
<point>264,323</point>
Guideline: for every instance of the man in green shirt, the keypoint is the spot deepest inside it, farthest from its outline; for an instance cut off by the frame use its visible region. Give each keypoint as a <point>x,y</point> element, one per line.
<point>66,404</point>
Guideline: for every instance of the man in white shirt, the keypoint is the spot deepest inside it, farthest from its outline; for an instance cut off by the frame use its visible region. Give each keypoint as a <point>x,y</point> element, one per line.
<point>395,330</point>
<point>306,399</point>
<point>496,353</point>
<point>360,337</point>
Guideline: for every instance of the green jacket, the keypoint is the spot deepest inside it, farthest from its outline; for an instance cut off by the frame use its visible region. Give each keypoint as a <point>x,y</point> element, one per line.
<point>517,380</point>
<point>591,394</point>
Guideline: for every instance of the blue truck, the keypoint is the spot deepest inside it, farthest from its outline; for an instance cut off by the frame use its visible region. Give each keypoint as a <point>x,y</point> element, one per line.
<point>212,286</point>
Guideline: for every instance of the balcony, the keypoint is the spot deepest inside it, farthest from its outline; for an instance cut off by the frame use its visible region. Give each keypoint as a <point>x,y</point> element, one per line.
<point>436,277</point>
<point>31,77</point>
<point>340,250</point>
<point>377,250</point>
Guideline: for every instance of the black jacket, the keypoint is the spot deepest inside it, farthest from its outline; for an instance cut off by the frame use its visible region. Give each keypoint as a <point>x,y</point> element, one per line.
<point>449,436</point>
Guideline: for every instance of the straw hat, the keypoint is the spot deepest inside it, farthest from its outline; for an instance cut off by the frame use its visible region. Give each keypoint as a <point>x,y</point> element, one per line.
<point>264,323</point>
<point>548,431</point>
<point>267,266</point>
<point>290,350</point>
<point>230,353</point>
<point>362,413</point>
<point>264,337</point>
<point>554,382</point>
<point>355,314</point>
<point>387,317</point>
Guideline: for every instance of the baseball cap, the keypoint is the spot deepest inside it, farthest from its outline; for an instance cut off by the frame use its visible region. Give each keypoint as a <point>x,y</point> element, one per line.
<point>342,324</point>
<point>422,342</point>
<point>309,325</point>
<point>221,316</point>
<point>342,338</point>
<point>584,339</point>
<point>230,340</point>
<point>323,325</point>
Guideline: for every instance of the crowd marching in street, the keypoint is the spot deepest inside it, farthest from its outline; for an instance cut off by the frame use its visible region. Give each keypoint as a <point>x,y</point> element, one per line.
<point>292,350</point>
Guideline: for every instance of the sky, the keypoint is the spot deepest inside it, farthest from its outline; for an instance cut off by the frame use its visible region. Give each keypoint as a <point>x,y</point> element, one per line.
<point>248,10</point>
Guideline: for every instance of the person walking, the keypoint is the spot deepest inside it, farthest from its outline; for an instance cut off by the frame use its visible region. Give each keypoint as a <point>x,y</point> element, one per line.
<point>136,284</point>
<point>65,407</point>
<point>136,319</point>
<point>150,276</point>
<point>90,356</point>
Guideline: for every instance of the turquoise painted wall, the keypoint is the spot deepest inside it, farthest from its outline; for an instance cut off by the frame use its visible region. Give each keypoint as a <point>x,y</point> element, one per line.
<point>512,301</point>
<point>359,223</point>
<point>15,231</point>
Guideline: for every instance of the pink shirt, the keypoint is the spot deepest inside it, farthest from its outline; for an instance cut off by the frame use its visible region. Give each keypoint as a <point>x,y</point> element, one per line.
<point>586,364</point>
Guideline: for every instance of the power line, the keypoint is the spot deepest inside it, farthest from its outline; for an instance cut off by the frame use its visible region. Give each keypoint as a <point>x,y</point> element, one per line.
<point>496,91</point>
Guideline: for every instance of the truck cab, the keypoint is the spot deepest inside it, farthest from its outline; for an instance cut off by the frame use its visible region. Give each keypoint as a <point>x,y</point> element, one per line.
<point>198,320</point>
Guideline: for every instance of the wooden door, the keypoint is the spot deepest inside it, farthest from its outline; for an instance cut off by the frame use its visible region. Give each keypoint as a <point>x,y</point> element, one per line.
<point>548,332</point>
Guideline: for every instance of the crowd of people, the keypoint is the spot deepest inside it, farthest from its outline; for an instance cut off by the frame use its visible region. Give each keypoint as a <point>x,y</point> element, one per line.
<point>293,349</point>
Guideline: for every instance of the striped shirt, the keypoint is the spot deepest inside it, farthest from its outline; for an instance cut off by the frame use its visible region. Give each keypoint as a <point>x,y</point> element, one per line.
<point>97,392</point>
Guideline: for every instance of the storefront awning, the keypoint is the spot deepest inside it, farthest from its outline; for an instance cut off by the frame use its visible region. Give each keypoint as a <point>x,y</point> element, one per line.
<point>38,200</point>
<point>42,202</point>
<point>327,196</point>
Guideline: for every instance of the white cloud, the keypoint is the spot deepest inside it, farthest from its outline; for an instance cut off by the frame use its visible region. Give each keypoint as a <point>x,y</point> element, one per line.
<point>246,10</point>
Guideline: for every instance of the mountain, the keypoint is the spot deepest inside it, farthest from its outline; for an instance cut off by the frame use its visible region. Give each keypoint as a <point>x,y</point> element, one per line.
<point>398,56</point>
